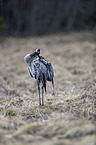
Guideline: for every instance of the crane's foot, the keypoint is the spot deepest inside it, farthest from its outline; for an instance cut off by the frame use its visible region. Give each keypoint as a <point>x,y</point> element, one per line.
<point>40,105</point>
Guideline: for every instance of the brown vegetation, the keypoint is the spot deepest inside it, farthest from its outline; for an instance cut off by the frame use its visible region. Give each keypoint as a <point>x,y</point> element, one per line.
<point>69,116</point>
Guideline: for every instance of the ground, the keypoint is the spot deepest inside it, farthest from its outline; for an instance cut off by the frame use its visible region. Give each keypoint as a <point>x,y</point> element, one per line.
<point>68,117</point>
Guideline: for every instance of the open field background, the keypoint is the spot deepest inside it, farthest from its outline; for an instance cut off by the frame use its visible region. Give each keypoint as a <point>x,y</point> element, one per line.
<point>68,118</point>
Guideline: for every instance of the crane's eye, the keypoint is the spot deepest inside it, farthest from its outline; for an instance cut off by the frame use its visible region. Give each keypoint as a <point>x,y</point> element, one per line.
<point>38,50</point>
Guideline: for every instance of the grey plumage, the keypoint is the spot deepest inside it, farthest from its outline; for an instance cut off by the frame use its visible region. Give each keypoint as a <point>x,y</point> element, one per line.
<point>40,69</point>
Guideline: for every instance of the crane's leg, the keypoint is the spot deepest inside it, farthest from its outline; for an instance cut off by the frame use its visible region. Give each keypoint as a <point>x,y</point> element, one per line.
<point>42,96</point>
<point>39,93</point>
<point>53,92</point>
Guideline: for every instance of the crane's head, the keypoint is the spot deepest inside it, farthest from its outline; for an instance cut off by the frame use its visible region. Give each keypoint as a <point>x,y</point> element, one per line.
<point>38,51</point>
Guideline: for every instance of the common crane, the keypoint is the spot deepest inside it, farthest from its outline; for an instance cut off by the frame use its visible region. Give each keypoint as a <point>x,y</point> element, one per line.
<point>40,69</point>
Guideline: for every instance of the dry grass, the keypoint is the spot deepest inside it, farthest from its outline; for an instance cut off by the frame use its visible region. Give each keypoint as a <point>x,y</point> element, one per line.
<point>69,116</point>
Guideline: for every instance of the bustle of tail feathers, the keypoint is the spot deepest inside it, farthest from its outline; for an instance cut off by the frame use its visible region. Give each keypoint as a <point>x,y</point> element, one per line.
<point>41,78</point>
<point>50,72</point>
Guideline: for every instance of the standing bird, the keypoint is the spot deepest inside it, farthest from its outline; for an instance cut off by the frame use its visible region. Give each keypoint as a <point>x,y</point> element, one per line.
<point>40,69</point>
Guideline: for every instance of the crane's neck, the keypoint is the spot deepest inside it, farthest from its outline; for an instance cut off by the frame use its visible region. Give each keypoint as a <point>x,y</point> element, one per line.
<point>34,54</point>
<point>30,57</point>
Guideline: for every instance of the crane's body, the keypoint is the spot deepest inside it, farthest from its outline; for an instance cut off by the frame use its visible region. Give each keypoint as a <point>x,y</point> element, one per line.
<point>40,69</point>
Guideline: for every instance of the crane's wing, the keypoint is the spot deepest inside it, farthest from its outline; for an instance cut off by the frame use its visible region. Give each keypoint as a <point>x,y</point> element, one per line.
<point>49,68</point>
<point>32,61</point>
<point>33,68</point>
<point>40,64</point>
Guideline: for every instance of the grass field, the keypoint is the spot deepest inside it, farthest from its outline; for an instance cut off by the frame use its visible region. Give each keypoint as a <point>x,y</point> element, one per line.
<point>69,117</point>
